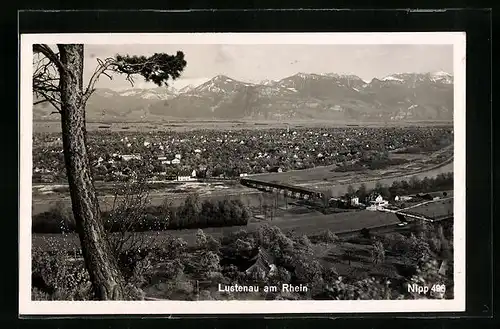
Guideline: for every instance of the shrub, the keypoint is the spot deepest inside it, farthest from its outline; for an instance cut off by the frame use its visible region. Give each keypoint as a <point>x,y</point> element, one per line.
<point>308,271</point>
<point>278,277</point>
<point>207,242</point>
<point>58,219</point>
<point>170,247</point>
<point>304,240</point>
<point>59,277</point>
<point>327,236</point>
<point>378,252</point>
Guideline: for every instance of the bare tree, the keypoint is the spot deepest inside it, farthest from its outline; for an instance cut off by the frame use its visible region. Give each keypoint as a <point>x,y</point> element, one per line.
<point>58,80</point>
<point>378,252</point>
<point>127,217</point>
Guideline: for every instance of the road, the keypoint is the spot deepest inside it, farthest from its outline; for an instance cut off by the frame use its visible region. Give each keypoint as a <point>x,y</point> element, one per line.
<point>424,203</point>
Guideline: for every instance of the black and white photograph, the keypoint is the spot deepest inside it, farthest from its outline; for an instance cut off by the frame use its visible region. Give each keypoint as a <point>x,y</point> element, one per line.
<point>255,173</point>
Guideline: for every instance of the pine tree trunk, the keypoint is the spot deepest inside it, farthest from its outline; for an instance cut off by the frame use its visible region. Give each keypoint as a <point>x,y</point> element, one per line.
<point>101,264</point>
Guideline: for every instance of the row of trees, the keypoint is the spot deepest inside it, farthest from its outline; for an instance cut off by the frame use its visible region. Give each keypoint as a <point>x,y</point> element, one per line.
<point>208,213</point>
<point>441,182</point>
<point>372,161</point>
<point>140,218</point>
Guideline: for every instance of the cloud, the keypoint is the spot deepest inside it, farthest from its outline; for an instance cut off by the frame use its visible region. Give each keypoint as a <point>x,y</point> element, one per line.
<point>222,54</point>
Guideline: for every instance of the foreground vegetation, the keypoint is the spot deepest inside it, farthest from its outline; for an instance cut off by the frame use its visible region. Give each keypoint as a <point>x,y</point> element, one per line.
<point>172,270</point>
<point>143,217</point>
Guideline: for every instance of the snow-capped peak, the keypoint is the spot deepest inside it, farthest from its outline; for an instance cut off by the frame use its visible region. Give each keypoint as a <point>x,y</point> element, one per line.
<point>219,84</point>
<point>392,78</point>
<point>150,93</point>
<point>130,92</point>
<point>441,76</point>
<point>186,89</point>
<point>222,77</point>
<point>303,75</point>
<point>267,82</point>
<point>341,76</point>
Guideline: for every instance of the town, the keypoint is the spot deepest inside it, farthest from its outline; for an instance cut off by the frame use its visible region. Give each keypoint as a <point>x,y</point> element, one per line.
<point>184,156</point>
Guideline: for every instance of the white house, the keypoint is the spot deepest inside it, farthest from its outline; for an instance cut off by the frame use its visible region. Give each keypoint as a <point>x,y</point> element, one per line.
<point>162,158</point>
<point>166,162</point>
<point>176,161</point>
<point>354,201</point>
<point>184,178</point>
<point>193,173</point>
<point>128,157</point>
<point>377,203</point>
<point>178,156</point>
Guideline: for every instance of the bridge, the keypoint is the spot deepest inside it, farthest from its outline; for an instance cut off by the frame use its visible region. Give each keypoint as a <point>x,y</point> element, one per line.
<point>293,191</point>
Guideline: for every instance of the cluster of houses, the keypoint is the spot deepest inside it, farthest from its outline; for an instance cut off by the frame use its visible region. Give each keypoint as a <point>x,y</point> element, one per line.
<point>175,161</point>
<point>181,175</point>
<point>373,202</point>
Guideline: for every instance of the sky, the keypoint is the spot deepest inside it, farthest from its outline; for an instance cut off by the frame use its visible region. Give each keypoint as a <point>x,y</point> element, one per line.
<point>254,63</point>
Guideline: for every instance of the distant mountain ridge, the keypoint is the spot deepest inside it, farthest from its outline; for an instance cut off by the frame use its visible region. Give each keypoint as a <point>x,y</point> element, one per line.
<point>329,96</point>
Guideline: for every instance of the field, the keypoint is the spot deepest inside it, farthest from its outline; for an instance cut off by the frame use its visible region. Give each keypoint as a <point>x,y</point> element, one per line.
<point>437,209</point>
<point>359,263</point>
<point>308,224</point>
<point>188,125</point>
<point>327,178</point>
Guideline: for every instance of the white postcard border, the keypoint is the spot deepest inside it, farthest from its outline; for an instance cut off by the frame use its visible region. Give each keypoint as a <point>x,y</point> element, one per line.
<point>29,307</point>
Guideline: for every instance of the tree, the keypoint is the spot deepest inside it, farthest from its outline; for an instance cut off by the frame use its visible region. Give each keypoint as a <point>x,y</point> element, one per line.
<point>350,190</point>
<point>326,196</point>
<point>415,183</point>
<point>378,252</point>
<point>362,192</point>
<point>191,209</point>
<point>58,80</point>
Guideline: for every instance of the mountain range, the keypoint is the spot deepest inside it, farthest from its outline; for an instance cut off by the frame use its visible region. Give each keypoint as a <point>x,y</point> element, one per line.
<point>397,97</point>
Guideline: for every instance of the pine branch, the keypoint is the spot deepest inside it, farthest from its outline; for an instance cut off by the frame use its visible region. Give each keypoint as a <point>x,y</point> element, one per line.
<point>103,66</point>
